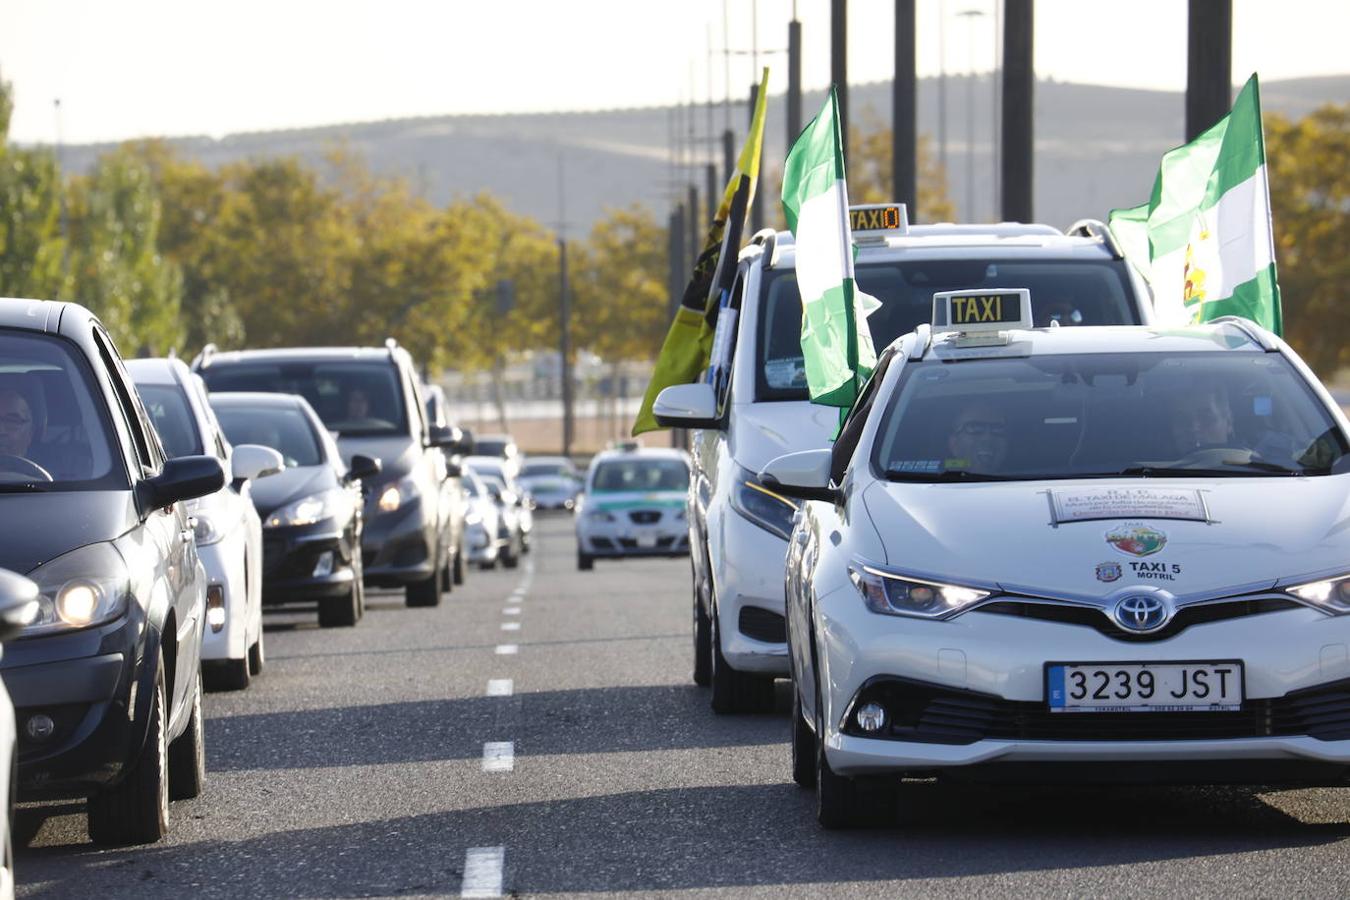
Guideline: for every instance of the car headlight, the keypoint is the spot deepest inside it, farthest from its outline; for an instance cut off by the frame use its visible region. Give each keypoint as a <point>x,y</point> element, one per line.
<point>472,518</point>
<point>84,587</point>
<point>205,530</point>
<point>600,515</point>
<point>1331,595</point>
<point>397,493</point>
<point>770,511</point>
<point>333,504</point>
<point>891,594</point>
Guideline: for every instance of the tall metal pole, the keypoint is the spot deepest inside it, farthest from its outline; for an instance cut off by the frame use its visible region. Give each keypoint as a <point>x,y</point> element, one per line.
<point>794,94</point>
<point>1209,64</point>
<point>565,345</point>
<point>726,67</point>
<point>970,15</point>
<point>839,62</point>
<point>695,239</point>
<point>714,195</point>
<point>995,104</point>
<point>757,204</point>
<point>1019,82</point>
<point>728,155</point>
<point>904,111</point>
<point>677,273</point>
<point>61,194</point>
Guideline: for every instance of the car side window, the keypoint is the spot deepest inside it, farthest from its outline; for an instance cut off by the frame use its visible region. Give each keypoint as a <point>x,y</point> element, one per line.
<point>851,433</point>
<point>132,413</point>
<point>416,402</point>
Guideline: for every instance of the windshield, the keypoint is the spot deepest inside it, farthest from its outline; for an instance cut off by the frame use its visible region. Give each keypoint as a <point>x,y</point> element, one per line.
<point>54,434</point>
<point>1103,415</point>
<point>172,418</point>
<point>285,430</point>
<point>355,399</point>
<point>546,470</point>
<point>490,447</point>
<point>1064,291</point>
<point>640,475</point>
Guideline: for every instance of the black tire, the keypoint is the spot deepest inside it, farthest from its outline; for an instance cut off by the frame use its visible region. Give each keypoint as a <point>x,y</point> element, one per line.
<point>447,576</point>
<point>585,562</point>
<point>257,656</point>
<point>458,573</point>
<point>187,753</point>
<point>426,592</point>
<point>341,612</point>
<point>511,555</point>
<point>136,811</point>
<point>843,802</point>
<point>702,640</point>
<point>803,745</point>
<point>227,674</point>
<point>733,691</point>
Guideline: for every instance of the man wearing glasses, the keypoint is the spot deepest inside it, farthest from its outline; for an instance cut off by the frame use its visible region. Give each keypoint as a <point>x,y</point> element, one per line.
<point>18,425</point>
<point>978,439</point>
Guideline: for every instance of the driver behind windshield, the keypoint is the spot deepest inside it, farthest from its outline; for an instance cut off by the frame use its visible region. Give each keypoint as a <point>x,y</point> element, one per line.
<point>22,416</point>
<point>1201,418</point>
<point>979,438</point>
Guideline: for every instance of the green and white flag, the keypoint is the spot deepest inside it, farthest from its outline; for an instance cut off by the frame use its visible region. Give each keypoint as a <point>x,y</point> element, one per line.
<point>1211,249</point>
<point>836,343</point>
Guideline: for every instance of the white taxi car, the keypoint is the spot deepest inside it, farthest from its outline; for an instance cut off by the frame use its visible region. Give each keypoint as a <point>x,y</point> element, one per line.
<point>1056,554</point>
<point>633,504</point>
<point>753,404</point>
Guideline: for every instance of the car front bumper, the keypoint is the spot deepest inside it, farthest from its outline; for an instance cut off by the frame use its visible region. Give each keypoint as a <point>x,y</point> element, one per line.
<point>86,683</point>
<point>748,578</point>
<point>294,567</point>
<point>971,693</point>
<point>621,539</point>
<point>398,547</point>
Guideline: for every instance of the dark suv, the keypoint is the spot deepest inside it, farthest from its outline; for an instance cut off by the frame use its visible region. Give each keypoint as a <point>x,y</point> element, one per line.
<point>371,399</point>
<point>105,677</point>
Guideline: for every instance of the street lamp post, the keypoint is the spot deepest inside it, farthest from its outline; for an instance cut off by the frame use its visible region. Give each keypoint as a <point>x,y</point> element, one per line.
<point>970,15</point>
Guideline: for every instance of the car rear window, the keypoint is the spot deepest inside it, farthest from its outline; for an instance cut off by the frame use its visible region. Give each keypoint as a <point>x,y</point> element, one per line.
<point>354,399</point>
<point>172,418</point>
<point>1070,292</point>
<point>640,475</point>
<point>285,429</point>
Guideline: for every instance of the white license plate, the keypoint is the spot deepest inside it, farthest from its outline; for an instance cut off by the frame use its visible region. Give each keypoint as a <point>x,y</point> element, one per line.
<point>646,541</point>
<point>1144,687</point>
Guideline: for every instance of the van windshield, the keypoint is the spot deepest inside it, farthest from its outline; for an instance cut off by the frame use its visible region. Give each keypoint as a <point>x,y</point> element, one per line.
<point>354,399</point>
<point>1070,292</point>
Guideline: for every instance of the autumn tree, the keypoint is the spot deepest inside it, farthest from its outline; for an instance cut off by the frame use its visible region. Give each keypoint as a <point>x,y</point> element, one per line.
<point>869,171</point>
<point>31,248</point>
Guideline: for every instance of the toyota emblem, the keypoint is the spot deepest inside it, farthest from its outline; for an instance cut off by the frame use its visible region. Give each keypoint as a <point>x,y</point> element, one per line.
<point>1142,613</point>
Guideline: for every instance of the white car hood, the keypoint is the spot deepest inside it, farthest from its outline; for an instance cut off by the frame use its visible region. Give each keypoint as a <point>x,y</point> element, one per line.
<point>1261,530</point>
<point>765,431</point>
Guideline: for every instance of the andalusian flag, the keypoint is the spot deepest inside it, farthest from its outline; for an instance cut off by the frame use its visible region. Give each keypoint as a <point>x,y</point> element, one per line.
<point>688,345</point>
<point>836,343</point>
<point>1211,249</point>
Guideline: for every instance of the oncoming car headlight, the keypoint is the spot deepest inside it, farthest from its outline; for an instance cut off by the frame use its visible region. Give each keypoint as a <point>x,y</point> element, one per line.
<point>397,493</point>
<point>770,511</point>
<point>892,594</point>
<point>1330,595</point>
<point>84,587</point>
<point>334,504</point>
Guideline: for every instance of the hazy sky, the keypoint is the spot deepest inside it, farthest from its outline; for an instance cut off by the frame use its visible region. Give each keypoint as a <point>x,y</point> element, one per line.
<point>124,68</point>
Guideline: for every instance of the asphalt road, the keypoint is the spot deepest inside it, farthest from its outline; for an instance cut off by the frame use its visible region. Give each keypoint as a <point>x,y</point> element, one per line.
<point>374,762</point>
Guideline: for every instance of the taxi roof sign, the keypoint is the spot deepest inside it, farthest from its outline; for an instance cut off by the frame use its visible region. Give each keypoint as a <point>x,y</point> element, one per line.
<point>987,311</point>
<point>873,219</point>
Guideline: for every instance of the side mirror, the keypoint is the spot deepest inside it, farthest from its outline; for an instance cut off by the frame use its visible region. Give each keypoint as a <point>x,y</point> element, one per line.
<point>442,436</point>
<point>184,478</point>
<point>18,603</point>
<point>362,467</point>
<point>249,461</point>
<point>804,475</point>
<point>687,406</point>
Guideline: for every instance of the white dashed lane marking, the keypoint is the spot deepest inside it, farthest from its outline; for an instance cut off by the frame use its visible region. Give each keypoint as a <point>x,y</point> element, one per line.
<point>483,872</point>
<point>511,611</point>
<point>506,649</point>
<point>500,687</point>
<point>510,626</point>
<point>499,756</point>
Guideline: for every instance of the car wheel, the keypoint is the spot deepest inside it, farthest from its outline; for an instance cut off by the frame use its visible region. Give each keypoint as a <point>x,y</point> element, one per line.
<point>257,656</point>
<point>511,554</point>
<point>458,574</point>
<point>803,745</point>
<point>733,691</point>
<point>341,612</point>
<point>187,754</point>
<point>447,576</point>
<point>227,674</point>
<point>585,562</point>
<point>136,811</point>
<point>702,640</point>
<point>843,802</point>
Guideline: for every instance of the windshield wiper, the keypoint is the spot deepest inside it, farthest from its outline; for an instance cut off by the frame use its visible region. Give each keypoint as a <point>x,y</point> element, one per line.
<point>948,475</point>
<point>22,487</point>
<point>1185,472</point>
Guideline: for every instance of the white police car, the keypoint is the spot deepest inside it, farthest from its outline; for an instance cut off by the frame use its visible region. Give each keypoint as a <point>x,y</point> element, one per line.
<point>633,505</point>
<point>1059,554</point>
<point>754,406</point>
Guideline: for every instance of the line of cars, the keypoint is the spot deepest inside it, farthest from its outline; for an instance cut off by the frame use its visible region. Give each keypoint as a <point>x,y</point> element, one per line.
<point>1032,552</point>
<point>153,509</point>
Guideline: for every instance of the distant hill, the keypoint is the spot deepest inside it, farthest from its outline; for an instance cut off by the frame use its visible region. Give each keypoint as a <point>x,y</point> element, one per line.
<point>1096,147</point>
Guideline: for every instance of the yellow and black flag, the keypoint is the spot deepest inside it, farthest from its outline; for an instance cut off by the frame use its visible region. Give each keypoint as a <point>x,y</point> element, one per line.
<point>688,344</point>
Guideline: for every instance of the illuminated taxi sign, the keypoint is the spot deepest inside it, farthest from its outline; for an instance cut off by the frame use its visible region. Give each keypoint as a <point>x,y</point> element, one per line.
<point>991,310</point>
<point>878,218</point>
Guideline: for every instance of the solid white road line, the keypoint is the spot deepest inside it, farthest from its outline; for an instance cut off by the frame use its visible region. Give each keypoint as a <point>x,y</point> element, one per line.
<point>499,756</point>
<point>511,611</point>
<point>510,626</point>
<point>500,687</point>
<point>483,872</point>
<point>506,649</point>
